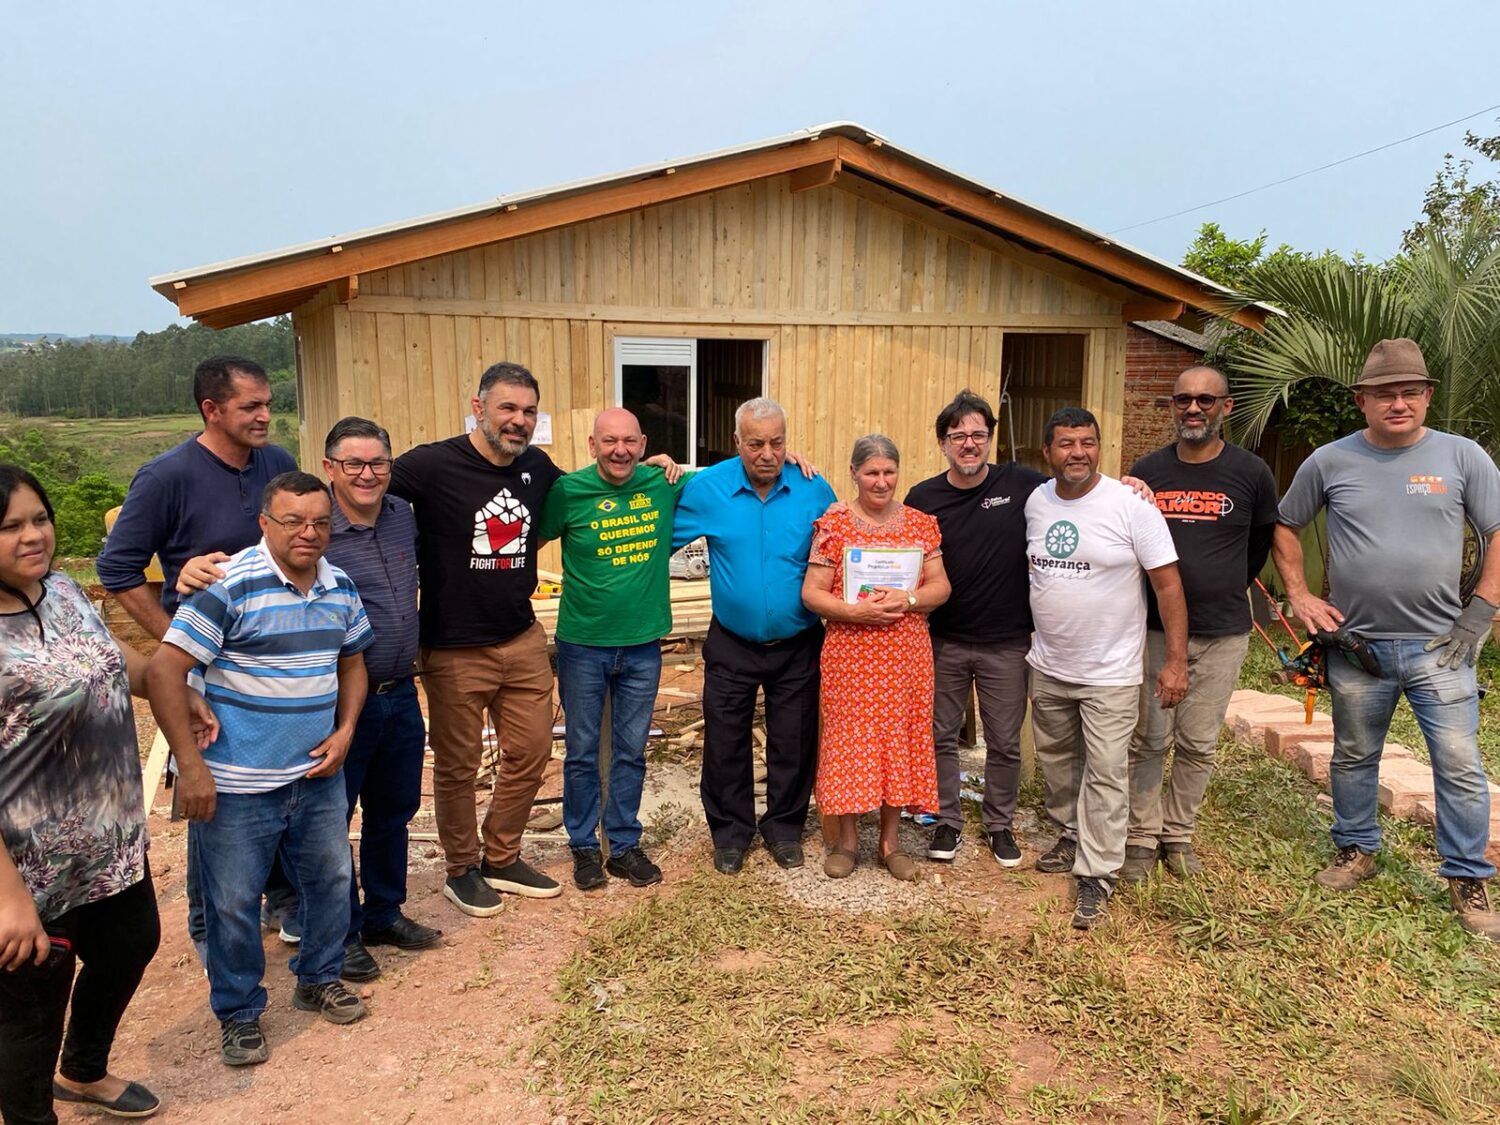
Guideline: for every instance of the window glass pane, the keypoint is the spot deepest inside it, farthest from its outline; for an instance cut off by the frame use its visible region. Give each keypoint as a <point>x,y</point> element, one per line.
<point>658,396</point>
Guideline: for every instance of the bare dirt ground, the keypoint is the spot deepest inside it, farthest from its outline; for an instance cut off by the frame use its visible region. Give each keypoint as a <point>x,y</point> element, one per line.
<point>449,1033</point>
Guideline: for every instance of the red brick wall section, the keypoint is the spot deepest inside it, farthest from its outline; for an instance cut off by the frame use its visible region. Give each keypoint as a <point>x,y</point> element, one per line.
<point>1152,365</point>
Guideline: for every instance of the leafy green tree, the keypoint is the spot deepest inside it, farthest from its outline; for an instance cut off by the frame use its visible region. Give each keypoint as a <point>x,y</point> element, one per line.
<point>1454,200</point>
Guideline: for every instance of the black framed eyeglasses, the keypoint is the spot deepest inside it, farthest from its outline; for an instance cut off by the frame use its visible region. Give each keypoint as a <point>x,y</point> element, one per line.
<point>978,437</point>
<point>353,466</point>
<point>1205,402</point>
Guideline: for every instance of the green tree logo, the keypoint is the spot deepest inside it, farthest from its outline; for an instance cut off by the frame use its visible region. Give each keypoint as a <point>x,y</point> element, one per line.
<point>1061,540</point>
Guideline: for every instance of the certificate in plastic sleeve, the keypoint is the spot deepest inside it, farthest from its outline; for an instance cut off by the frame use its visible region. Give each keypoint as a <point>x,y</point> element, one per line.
<point>866,567</point>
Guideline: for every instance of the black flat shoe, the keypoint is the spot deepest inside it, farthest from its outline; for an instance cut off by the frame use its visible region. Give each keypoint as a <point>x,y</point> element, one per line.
<point>403,933</point>
<point>136,1101</point>
<point>728,861</point>
<point>359,966</point>
<point>786,853</point>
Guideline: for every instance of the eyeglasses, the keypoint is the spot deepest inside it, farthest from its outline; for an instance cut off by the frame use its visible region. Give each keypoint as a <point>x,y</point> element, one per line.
<point>1385,398</point>
<point>353,467</point>
<point>1205,402</point>
<point>978,437</point>
<point>297,525</point>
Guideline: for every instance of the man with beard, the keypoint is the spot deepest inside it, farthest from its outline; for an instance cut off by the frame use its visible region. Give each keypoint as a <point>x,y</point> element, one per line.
<point>1220,505</point>
<point>980,636</point>
<point>477,498</point>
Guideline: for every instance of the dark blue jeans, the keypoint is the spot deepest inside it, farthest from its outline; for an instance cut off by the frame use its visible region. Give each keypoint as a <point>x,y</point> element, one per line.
<point>384,773</point>
<point>308,819</point>
<point>630,676</point>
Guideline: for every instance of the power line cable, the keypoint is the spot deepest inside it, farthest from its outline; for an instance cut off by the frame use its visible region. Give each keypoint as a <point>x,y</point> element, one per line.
<point>1309,172</point>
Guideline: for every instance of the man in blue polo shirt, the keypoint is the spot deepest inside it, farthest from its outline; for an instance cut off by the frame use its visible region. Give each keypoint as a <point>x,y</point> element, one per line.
<point>279,642</point>
<point>758,518</point>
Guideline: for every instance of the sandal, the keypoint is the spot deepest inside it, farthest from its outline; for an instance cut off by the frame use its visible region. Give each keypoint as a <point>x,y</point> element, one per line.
<point>900,865</point>
<point>839,863</point>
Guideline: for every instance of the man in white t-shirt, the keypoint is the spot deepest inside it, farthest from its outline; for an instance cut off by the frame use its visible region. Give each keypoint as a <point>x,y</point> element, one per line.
<point>1088,540</point>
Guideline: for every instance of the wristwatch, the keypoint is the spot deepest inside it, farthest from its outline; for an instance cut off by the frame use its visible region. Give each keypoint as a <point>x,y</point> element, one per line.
<point>911,600</point>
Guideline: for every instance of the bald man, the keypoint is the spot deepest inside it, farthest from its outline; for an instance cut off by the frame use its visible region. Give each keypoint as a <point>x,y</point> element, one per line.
<point>614,519</point>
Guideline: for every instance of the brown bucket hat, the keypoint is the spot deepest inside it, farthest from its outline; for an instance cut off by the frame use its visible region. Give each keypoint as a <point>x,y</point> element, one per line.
<point>1394,361</point>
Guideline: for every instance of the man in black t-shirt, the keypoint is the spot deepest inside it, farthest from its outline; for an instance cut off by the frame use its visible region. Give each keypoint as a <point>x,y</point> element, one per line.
<point>1220,505</point>
<point>477,499</point>
<point>981,635</point>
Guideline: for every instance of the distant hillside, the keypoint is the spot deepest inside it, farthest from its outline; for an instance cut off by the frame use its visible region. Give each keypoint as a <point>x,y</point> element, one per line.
<point>149,373</point>
<point>21,339</point>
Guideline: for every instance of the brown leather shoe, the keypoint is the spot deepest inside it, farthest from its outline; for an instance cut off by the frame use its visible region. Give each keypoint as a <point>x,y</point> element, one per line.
<point>839,863</point>
<point>1349,869</point>
<point>1471,902</point>
<point>900,865</point>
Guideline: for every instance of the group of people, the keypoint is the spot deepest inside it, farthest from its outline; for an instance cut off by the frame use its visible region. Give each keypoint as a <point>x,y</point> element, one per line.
<point>291,632</point>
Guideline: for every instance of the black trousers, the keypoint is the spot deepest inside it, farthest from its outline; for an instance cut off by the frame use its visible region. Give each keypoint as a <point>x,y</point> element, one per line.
<point>114,939</point>
<point>788,673</point>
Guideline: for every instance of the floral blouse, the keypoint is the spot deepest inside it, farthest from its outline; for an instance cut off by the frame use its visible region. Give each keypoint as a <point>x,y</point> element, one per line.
<point>71,811</point>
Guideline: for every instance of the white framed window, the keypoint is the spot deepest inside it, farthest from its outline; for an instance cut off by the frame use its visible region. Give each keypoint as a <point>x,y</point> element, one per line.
<point>685,391</point>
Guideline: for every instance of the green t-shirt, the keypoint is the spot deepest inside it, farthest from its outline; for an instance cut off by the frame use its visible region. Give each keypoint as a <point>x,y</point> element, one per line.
<point>616,542</point>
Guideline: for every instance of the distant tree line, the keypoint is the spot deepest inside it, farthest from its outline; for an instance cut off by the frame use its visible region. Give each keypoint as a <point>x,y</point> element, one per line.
<point>151,374</point>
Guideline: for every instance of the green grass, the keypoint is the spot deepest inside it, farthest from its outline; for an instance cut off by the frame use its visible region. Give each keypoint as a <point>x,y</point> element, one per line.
<point>118,446</point>
<point>1261,662</point>
<point>1245,995</point>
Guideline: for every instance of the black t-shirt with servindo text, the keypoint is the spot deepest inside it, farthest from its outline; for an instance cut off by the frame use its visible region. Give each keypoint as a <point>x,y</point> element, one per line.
<point>476,538</point>
<point>984,553</point>
<point>1221,514</point>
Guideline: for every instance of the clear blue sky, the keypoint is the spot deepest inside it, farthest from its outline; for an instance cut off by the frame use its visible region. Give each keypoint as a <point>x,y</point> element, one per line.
<point>145,137</point>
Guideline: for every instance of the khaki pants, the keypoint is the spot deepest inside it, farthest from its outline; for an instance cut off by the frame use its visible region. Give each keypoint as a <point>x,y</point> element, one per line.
<point>513,682</point>
<point>1083,750</point>
<point>1193,727</point>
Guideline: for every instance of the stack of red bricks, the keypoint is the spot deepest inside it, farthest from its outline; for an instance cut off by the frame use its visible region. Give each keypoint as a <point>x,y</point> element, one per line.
<point>1279,724</point>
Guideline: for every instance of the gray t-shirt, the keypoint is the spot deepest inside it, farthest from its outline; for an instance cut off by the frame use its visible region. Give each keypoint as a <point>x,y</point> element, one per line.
<point>1395,526</point>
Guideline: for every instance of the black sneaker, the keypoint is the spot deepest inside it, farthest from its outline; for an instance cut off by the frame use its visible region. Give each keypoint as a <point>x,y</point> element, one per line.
<point>359,966</point>
<point>472,895</point>
<point>1093,899</point>
<point>588,869</point>
<point>519,878</point>
<point>944,843</point>
<point>242,1043</point>
<point>1059,858</point>
<point>332,1001</point>
<point>1003,848</point>
<point>632,864</point>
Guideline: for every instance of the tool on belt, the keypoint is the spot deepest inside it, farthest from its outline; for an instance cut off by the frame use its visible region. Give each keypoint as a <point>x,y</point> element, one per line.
<point>1307,665</point>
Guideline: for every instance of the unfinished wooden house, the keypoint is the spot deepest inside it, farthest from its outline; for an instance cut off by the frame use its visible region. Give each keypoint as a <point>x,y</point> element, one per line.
<point>858,284</point>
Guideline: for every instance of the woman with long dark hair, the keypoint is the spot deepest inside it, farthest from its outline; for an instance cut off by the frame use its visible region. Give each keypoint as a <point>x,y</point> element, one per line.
<point>75,887</point>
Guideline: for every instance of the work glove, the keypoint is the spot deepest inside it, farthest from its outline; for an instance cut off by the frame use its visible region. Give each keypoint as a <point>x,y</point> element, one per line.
<point>1466,636</point>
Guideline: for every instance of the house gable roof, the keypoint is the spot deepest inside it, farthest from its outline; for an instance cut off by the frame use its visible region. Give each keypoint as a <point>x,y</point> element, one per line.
<point>262,285</point>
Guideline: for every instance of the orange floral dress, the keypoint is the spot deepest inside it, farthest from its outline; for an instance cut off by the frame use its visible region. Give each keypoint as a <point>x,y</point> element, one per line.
<point>876,747</point>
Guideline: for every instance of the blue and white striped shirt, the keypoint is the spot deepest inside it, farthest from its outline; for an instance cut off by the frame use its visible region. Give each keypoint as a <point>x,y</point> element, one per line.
<point>270,658</point>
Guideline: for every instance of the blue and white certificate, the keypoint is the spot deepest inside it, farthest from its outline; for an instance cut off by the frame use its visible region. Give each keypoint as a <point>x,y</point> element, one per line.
<point>868,567</point>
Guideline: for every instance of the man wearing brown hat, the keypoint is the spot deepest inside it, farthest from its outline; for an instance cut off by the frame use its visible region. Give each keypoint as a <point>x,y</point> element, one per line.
<point>1397,494</point>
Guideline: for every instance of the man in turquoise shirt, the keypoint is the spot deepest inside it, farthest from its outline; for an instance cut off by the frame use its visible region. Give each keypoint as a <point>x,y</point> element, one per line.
<point>757,516</point>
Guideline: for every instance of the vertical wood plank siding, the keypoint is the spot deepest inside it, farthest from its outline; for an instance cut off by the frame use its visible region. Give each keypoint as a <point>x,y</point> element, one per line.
<point>848,251</point>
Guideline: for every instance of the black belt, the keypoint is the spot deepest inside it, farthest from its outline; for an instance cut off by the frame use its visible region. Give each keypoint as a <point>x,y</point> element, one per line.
<point>380,687</point>
<point>782,642</point>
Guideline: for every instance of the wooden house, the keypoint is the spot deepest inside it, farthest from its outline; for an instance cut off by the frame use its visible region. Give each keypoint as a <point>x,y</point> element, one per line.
<point>860,285</point>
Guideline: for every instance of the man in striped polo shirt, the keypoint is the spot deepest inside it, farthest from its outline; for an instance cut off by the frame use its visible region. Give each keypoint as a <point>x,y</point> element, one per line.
<point>279,642</point>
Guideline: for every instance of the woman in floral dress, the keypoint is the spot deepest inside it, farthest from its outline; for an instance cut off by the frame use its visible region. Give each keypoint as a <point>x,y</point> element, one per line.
<point>74,882</point>
<point>874,575</point>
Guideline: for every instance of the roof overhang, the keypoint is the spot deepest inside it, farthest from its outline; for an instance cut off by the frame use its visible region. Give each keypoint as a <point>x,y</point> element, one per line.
<point>263,285</point>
